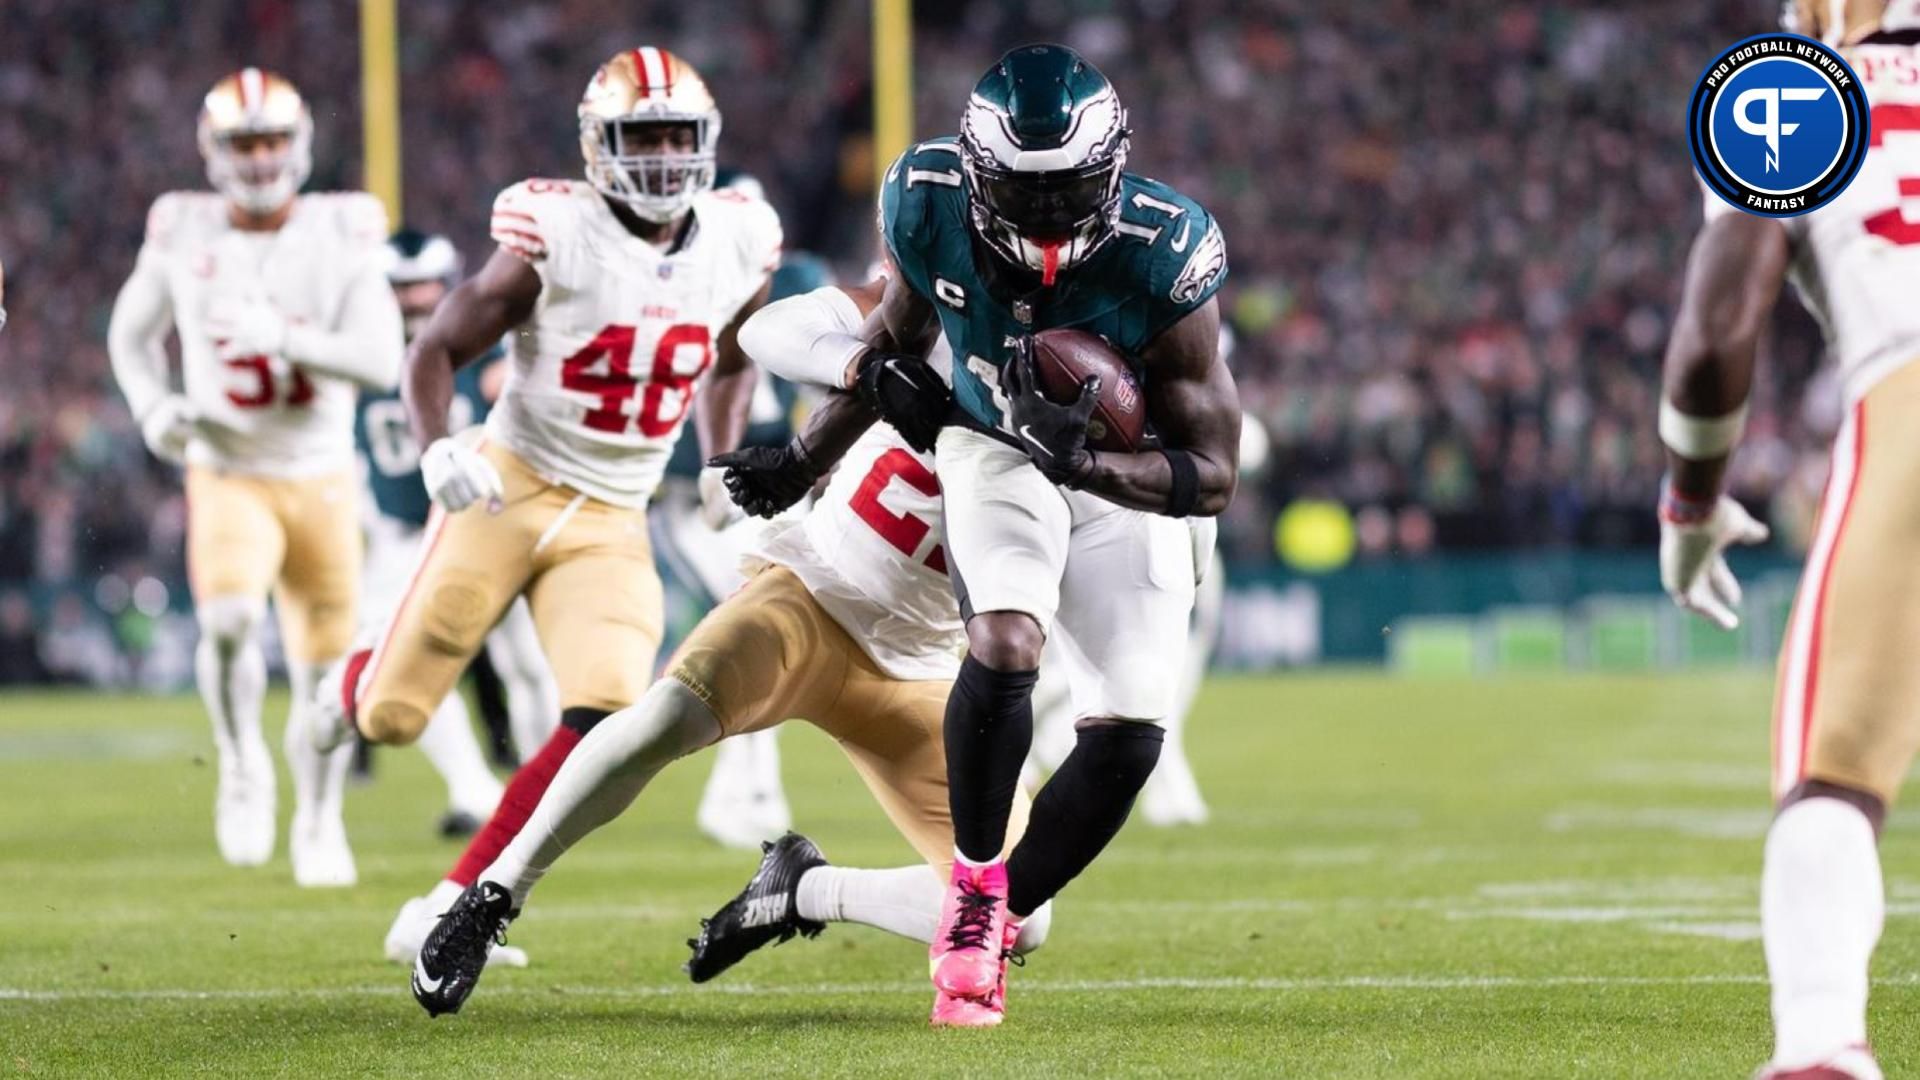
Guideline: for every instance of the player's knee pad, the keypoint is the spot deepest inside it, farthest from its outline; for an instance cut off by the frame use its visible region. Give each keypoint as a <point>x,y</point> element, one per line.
<point>390,721</point>
<point>1033,932</point>
<point>229,620</point>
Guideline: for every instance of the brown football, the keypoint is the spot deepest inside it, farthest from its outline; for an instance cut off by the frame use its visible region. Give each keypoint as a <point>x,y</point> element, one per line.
<point>1064,358</point>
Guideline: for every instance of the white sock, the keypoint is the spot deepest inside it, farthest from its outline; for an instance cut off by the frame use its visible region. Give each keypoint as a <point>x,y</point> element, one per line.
<point>442,896</point>
<point>449,744</point>
<point>231,673</point>
<point>319,780</point>
<point>1821,908</point>
<point>904,901</point>
<point>601,778</point>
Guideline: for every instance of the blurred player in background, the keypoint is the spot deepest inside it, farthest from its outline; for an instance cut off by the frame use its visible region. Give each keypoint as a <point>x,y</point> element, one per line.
<point>281,308</point>
<point>619,293</point>
<point>1847,703</point>
<point>3,297</point>
<point>847,622</point>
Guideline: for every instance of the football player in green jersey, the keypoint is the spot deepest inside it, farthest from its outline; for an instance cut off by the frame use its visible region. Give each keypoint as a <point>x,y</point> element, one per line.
<point>1027,221</point>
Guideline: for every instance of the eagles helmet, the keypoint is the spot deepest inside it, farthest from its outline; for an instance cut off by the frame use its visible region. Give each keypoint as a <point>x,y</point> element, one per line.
<point>413,256</point>
<point>1042,145</point>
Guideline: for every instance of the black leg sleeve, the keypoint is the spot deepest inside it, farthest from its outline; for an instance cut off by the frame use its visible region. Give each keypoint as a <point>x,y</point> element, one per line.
<point>1080,810</point>
<point>989,729</point>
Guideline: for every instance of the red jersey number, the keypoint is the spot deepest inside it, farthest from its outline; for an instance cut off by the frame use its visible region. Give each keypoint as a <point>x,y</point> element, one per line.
<point>1896,133</point>
<point>604,369</point>
<point>903,531</point>
<point>263,391</point>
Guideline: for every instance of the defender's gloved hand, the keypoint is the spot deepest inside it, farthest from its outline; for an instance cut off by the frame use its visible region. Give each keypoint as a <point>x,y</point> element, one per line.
<point>1055,436</point>
<point>1694,538</point>
<point>765,480</point>
<point>907,393</point>
<point>457,476</point>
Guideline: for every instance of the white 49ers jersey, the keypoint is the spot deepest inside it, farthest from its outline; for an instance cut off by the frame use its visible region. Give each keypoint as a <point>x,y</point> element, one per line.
<point>605,368</point>
<point>1856,261</point>
<point>258,414</point>
<point>872,552</point>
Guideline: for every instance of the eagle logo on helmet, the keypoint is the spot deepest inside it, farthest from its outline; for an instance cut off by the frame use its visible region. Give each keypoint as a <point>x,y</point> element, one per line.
<point>249,107</point>
<point>648,86</point>
<point>1043,144</point>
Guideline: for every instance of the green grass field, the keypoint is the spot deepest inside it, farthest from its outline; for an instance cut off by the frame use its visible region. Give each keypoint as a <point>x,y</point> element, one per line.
<point>1528,877</point>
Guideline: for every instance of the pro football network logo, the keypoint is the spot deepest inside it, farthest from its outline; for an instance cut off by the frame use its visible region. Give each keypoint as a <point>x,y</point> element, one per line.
<point>1779,125</point>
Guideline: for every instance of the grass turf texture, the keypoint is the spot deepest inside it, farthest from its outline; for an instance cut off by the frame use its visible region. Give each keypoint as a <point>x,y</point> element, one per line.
<point>1405,878</point>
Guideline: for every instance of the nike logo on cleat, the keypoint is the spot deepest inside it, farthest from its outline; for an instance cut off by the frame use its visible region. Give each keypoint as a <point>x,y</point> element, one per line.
<point>424,982</point>
<point>764,911</point>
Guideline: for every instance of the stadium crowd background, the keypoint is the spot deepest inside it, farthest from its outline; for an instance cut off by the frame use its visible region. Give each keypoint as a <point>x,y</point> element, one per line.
<point>1455,232</point>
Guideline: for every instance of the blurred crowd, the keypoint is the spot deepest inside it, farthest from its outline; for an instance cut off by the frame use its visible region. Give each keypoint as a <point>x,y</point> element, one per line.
<point>1455,230</point>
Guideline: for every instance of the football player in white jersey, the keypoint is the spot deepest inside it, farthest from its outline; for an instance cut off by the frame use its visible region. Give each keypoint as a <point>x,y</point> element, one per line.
<point>1847,703</point>
<point>616,295</point>
<point>847,621</point>
<point>281,310</point>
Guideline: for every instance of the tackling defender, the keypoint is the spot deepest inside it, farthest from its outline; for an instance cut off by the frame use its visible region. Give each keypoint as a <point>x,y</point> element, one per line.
<point>849,623</point>
<point>1847,705</point>
<point>281,308</point>
<point>1029,221</point>
<point>645,257</point>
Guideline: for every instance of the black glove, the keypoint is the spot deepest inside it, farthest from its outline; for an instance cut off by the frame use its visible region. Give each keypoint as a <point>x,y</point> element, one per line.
<point>1054,436</point>
<point>764,480</point>
<point>907,393</point>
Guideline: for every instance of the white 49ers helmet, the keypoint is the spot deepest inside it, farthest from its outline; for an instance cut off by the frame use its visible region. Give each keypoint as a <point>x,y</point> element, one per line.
<point>640,87</point>
<point>247,104</point>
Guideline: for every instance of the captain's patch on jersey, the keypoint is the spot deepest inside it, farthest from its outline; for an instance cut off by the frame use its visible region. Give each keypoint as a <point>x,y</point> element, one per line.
<point>1779,125</point>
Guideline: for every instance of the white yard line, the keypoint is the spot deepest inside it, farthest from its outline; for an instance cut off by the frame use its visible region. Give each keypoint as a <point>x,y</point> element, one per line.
<point>520,988</point>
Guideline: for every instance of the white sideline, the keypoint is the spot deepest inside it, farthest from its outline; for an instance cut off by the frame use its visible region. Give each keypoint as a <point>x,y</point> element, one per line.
<point>523,988</point>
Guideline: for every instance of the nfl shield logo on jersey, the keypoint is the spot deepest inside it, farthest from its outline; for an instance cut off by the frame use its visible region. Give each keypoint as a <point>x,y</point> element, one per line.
<point>1779,125</point>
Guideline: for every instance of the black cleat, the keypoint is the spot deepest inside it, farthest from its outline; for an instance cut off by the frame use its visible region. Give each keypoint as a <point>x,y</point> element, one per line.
<point>766,911</point>
<point>450,962</point>
<point>458,825</point>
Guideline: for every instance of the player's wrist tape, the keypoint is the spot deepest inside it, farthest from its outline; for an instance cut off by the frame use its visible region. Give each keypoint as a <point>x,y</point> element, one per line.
<point>1680,509</point>
<point>1701,438</point>
<point>1186,483</point>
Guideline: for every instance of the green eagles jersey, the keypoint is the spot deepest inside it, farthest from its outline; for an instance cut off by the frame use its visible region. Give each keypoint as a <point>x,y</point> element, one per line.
<point>1167,259</point>
<point>385,441</point>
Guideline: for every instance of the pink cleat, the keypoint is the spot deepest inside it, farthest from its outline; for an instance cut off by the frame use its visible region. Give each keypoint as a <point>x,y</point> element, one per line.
<point>951,1011</point>
<point>1853,1063</point>
<point>966,955</point>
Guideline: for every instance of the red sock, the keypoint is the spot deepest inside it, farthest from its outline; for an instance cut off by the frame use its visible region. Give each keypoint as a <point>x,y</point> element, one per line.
<point>516,806</point>
<point>350,685</point>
